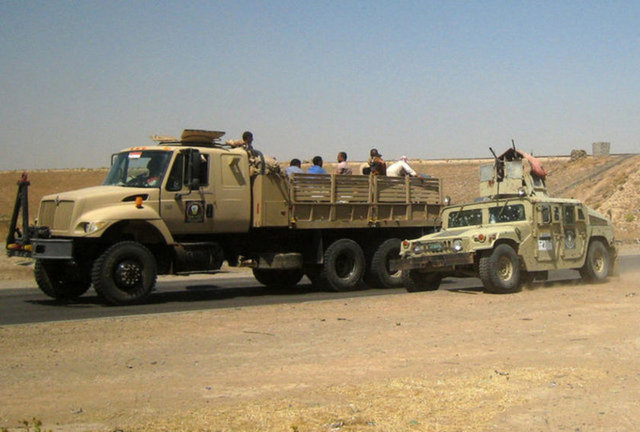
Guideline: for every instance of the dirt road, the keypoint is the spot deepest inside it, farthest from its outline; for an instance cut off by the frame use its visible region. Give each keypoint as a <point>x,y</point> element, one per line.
<point>561,357</point>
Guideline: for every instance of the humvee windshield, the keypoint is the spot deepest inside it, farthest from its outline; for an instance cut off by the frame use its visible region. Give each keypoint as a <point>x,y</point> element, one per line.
<point>465,218</point>
<point>138,169</point>
<point>506,213</point>
<point>497,214</point>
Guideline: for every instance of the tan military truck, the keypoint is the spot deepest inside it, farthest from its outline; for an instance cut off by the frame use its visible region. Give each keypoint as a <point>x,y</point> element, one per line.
<point>185,206</point>
<point>515,233</point>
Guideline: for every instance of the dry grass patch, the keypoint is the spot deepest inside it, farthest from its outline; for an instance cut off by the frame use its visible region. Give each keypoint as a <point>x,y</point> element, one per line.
<point>452,404</point>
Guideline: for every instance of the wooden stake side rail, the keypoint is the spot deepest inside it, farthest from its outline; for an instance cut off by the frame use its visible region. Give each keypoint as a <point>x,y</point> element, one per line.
<point>351,201</point>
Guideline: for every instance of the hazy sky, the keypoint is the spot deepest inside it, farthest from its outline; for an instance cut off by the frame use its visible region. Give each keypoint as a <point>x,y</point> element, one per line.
<point>432,79</point>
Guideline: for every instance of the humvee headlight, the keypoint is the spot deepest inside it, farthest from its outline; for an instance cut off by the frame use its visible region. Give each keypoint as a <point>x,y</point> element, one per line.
<point>457,245</point>
<point>418,249</point>
<point>94,226</point>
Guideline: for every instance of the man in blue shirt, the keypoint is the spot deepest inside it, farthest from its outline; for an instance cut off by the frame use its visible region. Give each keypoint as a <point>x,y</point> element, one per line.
<point>317,166</point>
<point>294,167</point>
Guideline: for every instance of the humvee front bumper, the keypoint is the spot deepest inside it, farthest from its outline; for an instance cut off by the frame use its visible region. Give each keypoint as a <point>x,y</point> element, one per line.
<point>427,262</point>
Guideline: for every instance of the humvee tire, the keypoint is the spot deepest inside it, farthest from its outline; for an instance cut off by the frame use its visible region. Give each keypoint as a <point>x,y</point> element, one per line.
<point>344,265</point>
<point>125,273</point>
<point>55,280</point>
<point>378,274</point>
<point>499,270</point>
<point>597,262</point>
<point>278,278</point>
<point>416,281</point>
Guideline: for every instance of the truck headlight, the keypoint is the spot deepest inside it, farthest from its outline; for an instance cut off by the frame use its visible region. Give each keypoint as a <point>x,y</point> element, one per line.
<point>90,227</point>
<point>418,249</point>
<point>457,245</point>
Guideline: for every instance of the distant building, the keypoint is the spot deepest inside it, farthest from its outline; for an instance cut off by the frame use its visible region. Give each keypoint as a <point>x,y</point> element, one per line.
<point>601,149</point>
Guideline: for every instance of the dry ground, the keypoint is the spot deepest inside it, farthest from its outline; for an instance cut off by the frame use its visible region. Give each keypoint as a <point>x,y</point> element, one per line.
<point>561,357</point>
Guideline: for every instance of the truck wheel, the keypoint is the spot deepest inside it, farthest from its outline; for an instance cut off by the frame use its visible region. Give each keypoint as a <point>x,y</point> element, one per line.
<point>379,275</point>
<point>125,273</point>
<point>596,266</point>
<point>278,278</point>
<point>500,270</point>
<point>416,281</point>
<point>344,265</point>
<point>56,280</point>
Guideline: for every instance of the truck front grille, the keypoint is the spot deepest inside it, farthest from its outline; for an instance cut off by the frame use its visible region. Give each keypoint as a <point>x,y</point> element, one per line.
<point>55,216</point>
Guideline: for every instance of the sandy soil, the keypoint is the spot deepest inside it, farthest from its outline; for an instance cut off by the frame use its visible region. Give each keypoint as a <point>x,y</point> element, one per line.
<point>557,357</point>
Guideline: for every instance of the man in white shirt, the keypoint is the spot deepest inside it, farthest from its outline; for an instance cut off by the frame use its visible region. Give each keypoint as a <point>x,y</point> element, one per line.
<point>343,167</point>
<point>401,168</point>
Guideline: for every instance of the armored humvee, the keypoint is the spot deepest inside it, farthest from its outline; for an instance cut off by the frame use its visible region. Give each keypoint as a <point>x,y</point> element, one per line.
<point>511,235</point>
<point>186,205</point>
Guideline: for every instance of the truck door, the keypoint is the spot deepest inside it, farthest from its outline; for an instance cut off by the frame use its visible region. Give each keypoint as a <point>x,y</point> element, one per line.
<point>232,192</point>
<point>187,211</point>
<point>574,231</point>
<point>549,222</point>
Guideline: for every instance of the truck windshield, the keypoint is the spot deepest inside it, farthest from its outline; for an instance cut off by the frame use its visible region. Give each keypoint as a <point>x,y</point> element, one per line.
<point>144,168</point>
<point>463,218</point>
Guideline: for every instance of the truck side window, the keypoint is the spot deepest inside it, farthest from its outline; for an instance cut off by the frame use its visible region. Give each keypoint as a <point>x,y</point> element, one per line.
<point>580,214</point>
<point>174,183</point>
<point>204,170</point>
<point>556,214</point>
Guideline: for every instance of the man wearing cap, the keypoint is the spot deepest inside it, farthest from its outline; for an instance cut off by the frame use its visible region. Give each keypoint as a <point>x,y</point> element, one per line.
<point>376,163</point>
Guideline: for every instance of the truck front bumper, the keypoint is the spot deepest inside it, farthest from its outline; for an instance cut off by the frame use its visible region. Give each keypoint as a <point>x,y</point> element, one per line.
<point>427,262</point>
<point>61,249</point>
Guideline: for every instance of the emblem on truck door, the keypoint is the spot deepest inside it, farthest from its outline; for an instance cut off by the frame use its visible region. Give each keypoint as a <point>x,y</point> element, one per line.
<point>194,211</point>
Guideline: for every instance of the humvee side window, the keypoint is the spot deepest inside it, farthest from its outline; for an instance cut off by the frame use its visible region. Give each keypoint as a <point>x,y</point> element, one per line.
<point>580,214</point>
<point>465,218</point>
<point>174,183</point>
<point>569,215</point>
<point>556,213</point>
<point>506,213</point>
<point>546,213</point>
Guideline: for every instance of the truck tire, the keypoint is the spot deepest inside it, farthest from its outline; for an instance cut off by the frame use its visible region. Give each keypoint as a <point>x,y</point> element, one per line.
<point>58,281</point>
<point>416,281</point>
<point>344,265</point>
<point>378,273</point>
<point>125,273</point>
<point>596,265</point>
<point>500,270</point>
<point>278,278</point>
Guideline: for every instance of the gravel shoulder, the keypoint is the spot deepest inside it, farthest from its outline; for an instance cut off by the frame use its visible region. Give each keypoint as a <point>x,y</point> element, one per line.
<point>557,357</point>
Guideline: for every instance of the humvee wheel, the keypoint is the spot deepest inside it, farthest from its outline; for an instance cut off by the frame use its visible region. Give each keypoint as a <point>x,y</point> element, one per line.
<point>344,265</point>
<point>415,281</point>
<point>500,270</point>
<point>56,280</point>
<point>597,263</point>
<point>379,275</point>
<point>125,273</point>
<point>278,278</point>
